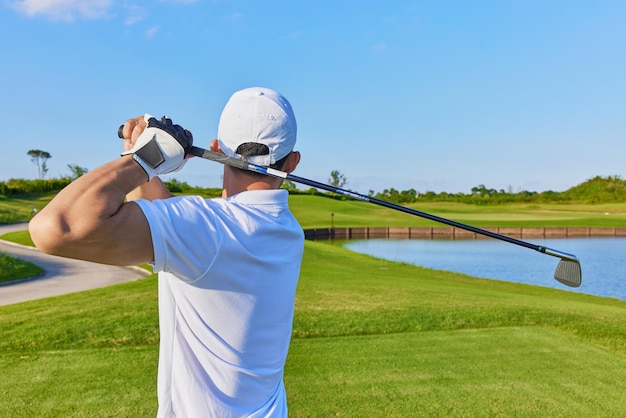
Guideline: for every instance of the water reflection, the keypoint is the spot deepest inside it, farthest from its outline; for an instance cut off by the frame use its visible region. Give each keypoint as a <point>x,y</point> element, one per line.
<point>601,259</point>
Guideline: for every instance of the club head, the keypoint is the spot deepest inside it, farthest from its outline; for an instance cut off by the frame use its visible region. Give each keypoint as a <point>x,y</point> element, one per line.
<point>569,273</point>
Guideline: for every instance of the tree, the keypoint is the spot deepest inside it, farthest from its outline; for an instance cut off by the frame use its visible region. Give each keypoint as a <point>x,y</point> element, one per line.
<point>76,170</point>
<point>289,185</point>
<point>39,158</point>
<point>337,179</point>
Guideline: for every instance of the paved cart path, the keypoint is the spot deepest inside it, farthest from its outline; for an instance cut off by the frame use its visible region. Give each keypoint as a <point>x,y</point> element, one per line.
<point>60,275</point>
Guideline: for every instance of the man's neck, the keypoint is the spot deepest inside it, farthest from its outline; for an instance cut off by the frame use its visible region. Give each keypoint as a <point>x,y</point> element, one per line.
<point>236,182</point>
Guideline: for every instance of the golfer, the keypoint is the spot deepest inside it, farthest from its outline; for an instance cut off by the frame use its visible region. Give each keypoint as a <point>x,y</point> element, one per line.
<point>228,267</point>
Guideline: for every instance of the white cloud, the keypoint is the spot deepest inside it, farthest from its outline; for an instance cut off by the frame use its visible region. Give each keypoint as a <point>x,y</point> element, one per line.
<point>151,32</point>
<point>135,14</point>
<point>65,10</point>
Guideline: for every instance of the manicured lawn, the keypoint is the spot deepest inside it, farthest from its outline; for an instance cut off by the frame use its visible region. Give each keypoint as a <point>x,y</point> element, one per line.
<point>371,338</point>
<point>513,371</point>
<point>15,269</point>
<point>20,209</point>
<point>19,237</point>
<point>315,212</point>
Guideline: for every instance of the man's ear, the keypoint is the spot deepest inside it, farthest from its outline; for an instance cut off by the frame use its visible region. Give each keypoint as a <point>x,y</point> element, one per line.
<point>292,162</point>
<point>215,146</point>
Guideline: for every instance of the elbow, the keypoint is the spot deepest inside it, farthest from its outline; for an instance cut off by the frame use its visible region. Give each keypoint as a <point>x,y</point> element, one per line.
<point>47,233</point>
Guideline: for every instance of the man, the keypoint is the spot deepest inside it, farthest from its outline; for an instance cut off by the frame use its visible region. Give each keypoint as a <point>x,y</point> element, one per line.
<point>228,267</point>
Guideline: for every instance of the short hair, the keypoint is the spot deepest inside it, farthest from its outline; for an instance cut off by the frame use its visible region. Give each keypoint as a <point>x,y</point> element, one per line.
<point>251,149</point>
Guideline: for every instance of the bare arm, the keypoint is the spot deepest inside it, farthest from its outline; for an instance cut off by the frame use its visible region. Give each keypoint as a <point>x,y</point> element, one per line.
<point>152,190</point>
<point>90,220</point>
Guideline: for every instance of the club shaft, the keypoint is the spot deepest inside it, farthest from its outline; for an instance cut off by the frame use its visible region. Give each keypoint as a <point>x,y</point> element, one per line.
<point>410,211</point>
<point>235,162</point>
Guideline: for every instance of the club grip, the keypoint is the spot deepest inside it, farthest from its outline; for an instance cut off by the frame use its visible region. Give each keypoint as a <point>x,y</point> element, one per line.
<point>120,132</point>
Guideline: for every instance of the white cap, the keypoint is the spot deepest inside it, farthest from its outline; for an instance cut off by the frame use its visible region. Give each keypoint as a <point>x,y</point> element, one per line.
<point>258,115</point>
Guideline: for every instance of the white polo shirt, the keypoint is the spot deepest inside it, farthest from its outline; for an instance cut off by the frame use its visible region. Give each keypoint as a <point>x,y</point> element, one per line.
<point>228,275</point>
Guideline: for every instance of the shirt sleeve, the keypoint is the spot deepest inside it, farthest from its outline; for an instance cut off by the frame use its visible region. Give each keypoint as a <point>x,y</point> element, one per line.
<point>184,235</point>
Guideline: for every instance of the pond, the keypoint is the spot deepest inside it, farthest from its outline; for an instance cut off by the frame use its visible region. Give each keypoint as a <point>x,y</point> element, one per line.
<point>602,260</point>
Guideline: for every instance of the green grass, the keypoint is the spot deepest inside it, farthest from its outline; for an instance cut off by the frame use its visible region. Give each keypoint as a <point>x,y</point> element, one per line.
<point>19,237</point>
<point>15,269</point>
<point>370,338</point>
<point>525,371</point>
<point>16,210</point>
<point>80,383</point>
<point>315,212</point>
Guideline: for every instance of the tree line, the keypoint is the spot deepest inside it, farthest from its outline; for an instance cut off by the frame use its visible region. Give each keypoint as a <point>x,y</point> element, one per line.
<point>611,189</point>
<point>598,189</point>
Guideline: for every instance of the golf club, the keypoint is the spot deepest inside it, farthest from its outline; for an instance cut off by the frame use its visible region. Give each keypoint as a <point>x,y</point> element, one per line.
<point>568,271</point>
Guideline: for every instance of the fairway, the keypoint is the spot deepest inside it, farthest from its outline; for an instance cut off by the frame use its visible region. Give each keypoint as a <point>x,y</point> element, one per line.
<point>315,211</point>
<point>484,372</point>
<point>371,338</point>
<point>114,382</point>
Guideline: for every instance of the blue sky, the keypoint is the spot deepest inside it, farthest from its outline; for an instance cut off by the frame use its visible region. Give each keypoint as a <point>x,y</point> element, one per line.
<point>431,95</point>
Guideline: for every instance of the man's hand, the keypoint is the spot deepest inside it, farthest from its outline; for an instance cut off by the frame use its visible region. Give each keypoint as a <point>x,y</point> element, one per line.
<point>160,147</point>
